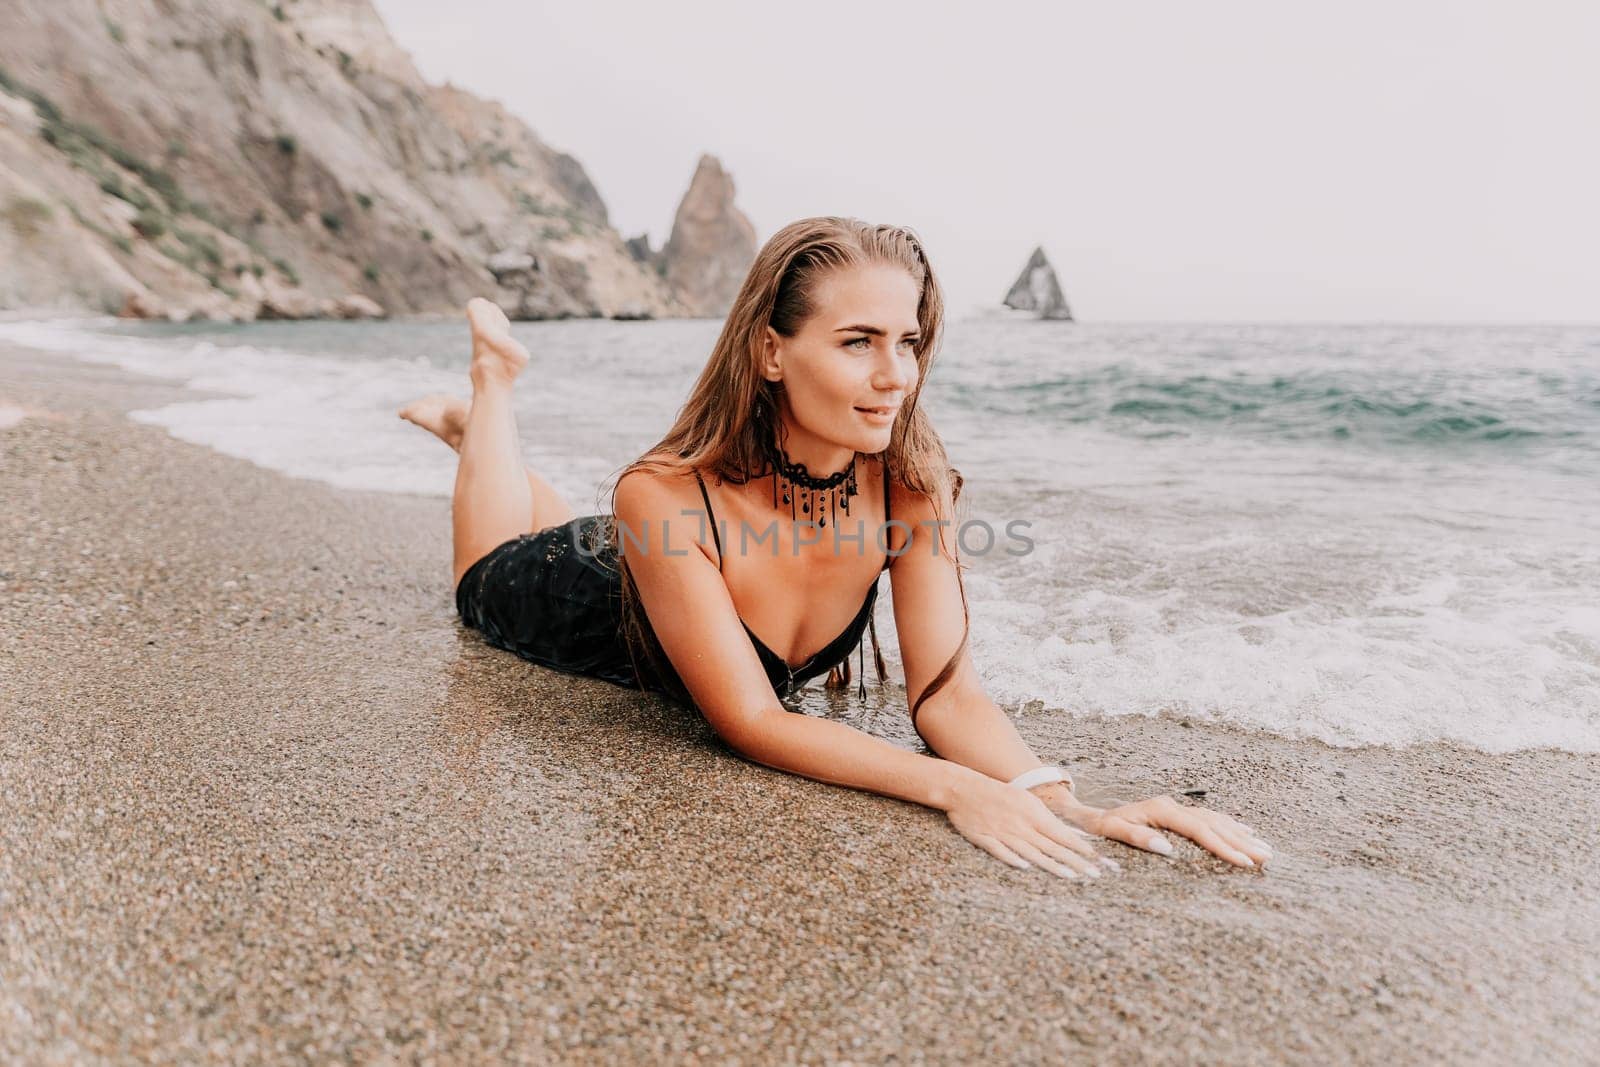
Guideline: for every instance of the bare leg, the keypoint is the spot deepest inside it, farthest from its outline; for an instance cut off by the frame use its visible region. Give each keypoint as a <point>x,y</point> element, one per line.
<point>493,500</point>
<point>445,417</point>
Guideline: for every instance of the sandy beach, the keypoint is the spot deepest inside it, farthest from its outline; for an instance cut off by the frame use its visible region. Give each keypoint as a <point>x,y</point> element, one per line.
<point>266,800</point>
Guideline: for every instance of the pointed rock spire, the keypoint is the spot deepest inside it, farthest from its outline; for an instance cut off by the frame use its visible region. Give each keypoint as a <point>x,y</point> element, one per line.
<point>1038,289</point>
<point>712,244</point>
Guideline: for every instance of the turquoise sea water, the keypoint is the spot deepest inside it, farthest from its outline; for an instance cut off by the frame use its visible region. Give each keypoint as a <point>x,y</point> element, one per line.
<point>1364,534</point>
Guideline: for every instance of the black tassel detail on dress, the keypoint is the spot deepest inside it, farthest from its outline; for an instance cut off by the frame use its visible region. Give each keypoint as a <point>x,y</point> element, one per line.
<point>877,653</point>
<point>861,681</point>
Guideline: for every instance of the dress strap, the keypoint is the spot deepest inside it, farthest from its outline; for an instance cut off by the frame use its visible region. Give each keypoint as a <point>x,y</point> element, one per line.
<point>710,517</point>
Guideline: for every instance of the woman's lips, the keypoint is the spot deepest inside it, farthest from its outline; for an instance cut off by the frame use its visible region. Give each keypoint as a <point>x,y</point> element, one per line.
<point>879,415</point>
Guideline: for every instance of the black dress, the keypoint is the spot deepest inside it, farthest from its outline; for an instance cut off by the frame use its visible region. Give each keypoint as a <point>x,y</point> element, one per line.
<point>555,599</point>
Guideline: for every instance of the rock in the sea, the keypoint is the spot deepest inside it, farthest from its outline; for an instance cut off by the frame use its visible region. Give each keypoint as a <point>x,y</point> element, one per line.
<point>142,304</point>
<point>356,306</point>
<point>712,243</point>
<point>1038,289</point>
<point>288,304</point>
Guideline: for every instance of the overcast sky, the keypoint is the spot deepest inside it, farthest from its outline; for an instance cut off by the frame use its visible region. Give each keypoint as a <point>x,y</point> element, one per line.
<point>1358,161</point>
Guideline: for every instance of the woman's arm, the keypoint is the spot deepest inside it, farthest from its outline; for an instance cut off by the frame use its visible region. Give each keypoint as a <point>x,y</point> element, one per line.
<point>959,722</point>
<point>839,754</point>
<point>962,724</point>
<point>694,620</point>
<point>1013,825</point>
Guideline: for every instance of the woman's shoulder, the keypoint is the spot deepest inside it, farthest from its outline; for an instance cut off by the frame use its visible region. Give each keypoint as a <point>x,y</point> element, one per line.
<point>921,503</point>
<point>659,486</point>
<point>650,501</point>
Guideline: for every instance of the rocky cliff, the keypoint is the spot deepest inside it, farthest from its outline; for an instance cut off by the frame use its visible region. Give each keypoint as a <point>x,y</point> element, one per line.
<point>712,245</point>
<point>234,158</point>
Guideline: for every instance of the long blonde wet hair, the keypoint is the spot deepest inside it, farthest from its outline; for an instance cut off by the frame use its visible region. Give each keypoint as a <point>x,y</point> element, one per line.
<point>732,409</point>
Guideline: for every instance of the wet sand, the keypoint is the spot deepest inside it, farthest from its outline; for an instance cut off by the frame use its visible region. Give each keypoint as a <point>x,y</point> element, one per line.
<point>266,799</point>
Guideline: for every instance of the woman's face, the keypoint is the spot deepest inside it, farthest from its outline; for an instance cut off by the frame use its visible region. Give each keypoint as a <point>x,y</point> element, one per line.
<point>856,353</point>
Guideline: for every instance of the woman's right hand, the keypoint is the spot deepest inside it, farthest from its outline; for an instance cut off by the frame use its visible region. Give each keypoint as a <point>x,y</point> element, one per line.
<point>1014,826</point>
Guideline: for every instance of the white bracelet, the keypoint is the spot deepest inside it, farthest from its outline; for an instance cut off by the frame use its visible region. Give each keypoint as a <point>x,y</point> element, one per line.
<point>1041,775</point>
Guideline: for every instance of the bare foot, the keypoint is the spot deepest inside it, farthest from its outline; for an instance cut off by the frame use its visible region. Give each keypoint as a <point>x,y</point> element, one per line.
<point>442,415</point>
<point>496,356</point>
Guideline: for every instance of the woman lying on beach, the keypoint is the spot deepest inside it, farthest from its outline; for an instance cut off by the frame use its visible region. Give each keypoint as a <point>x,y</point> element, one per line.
<point>803,440</point>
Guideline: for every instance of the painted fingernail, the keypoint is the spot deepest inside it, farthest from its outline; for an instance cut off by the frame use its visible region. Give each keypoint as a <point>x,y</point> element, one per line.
<point>1109,862</point>
<point>1092,872</point>
<point>1248,862</point>
<point>1161,845</point>
<point>1262,845</point>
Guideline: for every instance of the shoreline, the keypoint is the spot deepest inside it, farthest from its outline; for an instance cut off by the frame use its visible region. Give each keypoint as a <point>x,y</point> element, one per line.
<point>268,792</point>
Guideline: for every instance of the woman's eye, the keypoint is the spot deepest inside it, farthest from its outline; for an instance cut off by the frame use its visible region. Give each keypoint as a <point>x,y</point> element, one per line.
<point>866,342</point>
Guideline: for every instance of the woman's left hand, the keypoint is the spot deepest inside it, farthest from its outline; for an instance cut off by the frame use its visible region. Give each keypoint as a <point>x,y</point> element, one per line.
<point>1137,824</point>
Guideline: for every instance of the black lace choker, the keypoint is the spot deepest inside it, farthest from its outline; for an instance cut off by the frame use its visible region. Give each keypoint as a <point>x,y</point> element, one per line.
<point>810,496</point>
